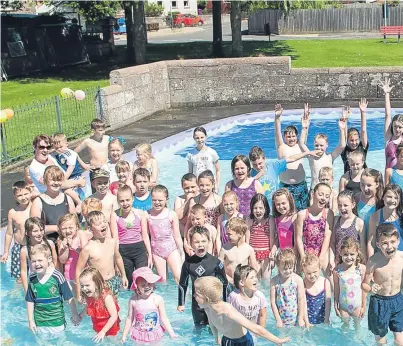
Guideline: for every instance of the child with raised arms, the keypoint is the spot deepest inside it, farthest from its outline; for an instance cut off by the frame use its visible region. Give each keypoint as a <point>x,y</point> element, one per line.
<point>134,241</point>
<point>102,253</point>
<point>383,279</point>
<point>200,264</point>
<point>317,291</point>
<point>351,180</point>
<point>285,215</point>
<point>34,235</point>
<point>146,318</point>
<point>390,213</point>
<point>354,142</point>
<point>370,198</point>
<point>224,319</point>
<point>181,204</point>
<point>142,196</point>
<point>394,175</point>
<point>166,240</point>
<point>145,159</point>
<point>246,298</point>
<point>287,293</point>
<point>349,300</point>
<point>203,157</point>
<point>69,246</point>
<point>347,224</point>
<point>321,143</point>
<point>293,178</point>
<point>237,251</point>
<point>260,234</point>
<point>101,305</point>
<point>197,218</point>
<point>243,184</point>
<point>230,205</point>
<point>313,227</point>
<point>46,291</point>
<point>97,144</point>
<point>15,226</point>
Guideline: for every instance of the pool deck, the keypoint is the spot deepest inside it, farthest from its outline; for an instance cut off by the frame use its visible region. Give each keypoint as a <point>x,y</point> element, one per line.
<point>165,124</point>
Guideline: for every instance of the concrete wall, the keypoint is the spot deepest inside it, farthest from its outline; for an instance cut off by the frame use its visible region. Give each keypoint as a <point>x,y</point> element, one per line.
<point>139,91</point>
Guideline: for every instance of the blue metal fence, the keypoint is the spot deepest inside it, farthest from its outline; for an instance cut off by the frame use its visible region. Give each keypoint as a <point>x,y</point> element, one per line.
<point>51,115</point>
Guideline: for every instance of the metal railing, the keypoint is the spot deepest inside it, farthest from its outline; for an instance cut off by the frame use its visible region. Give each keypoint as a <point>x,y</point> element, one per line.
<point>49,116</point>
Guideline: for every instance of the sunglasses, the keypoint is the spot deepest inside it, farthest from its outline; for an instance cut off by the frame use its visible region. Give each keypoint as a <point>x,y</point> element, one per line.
<point>42,147</point>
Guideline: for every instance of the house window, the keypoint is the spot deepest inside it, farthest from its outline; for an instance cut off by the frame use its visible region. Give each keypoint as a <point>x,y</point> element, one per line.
<point>174,4</point>
<point>186,4</point>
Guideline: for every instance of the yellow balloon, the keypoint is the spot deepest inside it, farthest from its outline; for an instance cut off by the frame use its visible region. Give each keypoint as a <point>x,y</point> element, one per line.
<point>9,112</point>
<point>3,117</point>
<point>66,93</point>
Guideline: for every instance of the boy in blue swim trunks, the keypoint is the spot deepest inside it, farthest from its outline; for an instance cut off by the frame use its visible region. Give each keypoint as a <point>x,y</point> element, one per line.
<point>225,319</point>
<point>383,278</point>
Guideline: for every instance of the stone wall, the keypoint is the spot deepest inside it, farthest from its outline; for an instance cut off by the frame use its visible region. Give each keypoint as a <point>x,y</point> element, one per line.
<point>139,91</point>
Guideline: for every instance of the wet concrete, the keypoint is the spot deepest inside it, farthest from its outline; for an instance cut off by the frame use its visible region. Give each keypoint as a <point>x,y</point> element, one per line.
<point>165,124</point>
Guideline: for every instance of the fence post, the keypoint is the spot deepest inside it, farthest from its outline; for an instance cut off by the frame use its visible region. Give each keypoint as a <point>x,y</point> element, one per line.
<point>3,144</point>
<point>100,114</point>
<point>58,117</point>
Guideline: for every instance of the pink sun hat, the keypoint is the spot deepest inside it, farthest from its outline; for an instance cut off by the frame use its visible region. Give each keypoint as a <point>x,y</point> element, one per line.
<point>147,274</point>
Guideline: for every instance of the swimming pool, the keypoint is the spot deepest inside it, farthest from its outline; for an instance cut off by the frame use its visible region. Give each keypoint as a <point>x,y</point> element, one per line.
<point>229,137</point>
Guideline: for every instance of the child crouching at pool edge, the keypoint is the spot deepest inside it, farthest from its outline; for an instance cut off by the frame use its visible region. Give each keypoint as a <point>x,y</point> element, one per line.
<point>225,319</point>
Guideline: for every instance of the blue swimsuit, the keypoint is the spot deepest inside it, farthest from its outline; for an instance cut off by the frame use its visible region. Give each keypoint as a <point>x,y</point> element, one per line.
<point>316,306</point>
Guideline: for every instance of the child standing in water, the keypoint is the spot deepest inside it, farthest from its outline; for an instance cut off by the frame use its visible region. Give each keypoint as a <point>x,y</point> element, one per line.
<point>101,304</point>
<point>390,213</point>
<point>145,159</point>
<point>243,185</point>
<point>354,142</point>
<point>15,226</point>
<point>317,290</point>
<point>347,225</point>
<point>287,294</point>
<point>203,158</point>
<point>321,143</point>
<point>260,234</point>
<point>207,198</point>
<point>230,204</point>
<point>166,240</point>
<point>394,175</point>
<point>285,215</point>
<point>351,180</point>
<point>146,318</point>
<point>142,196</point>
<point>349,299</point>
<point>225,319</point>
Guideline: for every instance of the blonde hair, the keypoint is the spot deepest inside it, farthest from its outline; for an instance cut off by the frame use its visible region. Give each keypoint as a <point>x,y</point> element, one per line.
<point>326,170</point>
<point>286,258</point>
<point>197,208</point>
<point>146,149</point>
<point>310,259</point>
<point>95,216</point>
<point>233,195</point>
<point>58,138</point>
<point>238,225</point>
<point>116,141</point>
<point>210,287</point>
<point>91,204</point>
<point>54,173</point>
<point>355,153</point>
<point>122,165</point>
<point>65,218</point>
<point>351,243</point>
<point>41,249</point>
<point>321,136</point>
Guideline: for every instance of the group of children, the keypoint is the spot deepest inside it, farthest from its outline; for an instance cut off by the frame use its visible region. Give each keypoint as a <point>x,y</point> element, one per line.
<point>324,243</point>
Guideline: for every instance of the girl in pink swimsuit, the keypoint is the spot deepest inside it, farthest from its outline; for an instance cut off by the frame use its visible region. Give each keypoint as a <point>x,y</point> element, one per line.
<point>285,214</point>
<point>166,240</point>
<point>312,226</point>
<point>69,246</point>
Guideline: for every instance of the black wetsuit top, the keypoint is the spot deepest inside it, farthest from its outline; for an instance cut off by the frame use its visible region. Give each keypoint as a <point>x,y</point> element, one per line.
<point>196,267</point>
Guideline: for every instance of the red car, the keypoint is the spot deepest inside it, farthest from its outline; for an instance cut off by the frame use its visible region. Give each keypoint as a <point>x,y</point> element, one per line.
<point>188,20</point>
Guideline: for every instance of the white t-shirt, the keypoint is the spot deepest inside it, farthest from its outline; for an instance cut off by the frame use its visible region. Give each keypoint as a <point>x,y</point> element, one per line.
<point>36,170</point>
<point>249,308</point>
<point>110,167</point>
<point>202,160</point>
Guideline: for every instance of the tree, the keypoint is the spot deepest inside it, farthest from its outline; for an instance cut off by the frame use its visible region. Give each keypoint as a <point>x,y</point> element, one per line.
<point>140,33</point>
<point>128,8</point>
<point>217,30</point>
<point>236,23</point>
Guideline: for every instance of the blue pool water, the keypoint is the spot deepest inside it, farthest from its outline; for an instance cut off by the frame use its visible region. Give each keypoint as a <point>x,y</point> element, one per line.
<point>229,137</point>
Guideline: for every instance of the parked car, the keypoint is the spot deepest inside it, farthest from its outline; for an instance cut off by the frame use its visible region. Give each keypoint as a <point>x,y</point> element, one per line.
<point>187,20</point>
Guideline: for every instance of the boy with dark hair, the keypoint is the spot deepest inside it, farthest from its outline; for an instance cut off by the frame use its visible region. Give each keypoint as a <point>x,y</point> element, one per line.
<point>181,205</point>
<point>142,196</point>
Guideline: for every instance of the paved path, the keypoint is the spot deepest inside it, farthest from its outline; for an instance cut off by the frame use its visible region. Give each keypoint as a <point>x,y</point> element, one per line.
<point>163,125</point>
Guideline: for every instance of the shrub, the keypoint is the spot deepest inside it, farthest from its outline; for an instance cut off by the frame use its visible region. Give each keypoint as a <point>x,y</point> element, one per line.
<point>153,10</point>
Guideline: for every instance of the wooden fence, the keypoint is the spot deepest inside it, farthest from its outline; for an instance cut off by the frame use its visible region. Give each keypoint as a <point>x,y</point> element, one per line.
<point>325,20</point>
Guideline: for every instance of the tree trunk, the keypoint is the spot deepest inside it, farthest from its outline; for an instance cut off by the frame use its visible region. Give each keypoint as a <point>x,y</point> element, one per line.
<point>140,33</point>
<point>236,21</point>
<point>128,6</point>
<point>217,30</point>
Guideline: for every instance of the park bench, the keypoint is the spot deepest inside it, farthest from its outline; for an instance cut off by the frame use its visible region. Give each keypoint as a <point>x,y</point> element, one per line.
<point>391,30</point>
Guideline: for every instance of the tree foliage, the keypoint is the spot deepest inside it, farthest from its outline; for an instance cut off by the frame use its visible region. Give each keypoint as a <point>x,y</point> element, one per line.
<point>11,4</point>
<point>287,5</point>
<point>153,10</point>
